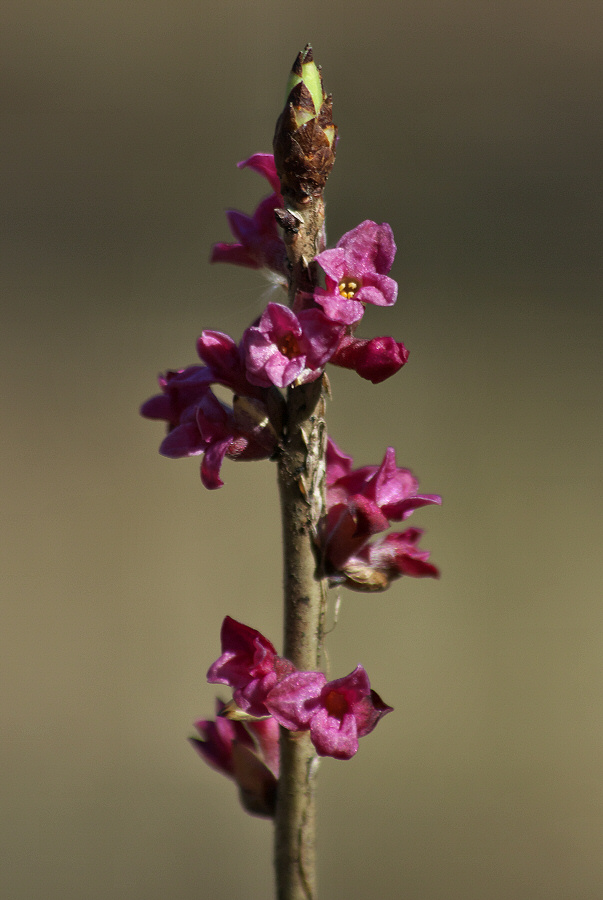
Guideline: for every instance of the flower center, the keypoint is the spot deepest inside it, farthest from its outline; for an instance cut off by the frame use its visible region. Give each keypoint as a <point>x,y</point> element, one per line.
<point>288,346</point>
<point>336,704</point>
<point>348,286</point>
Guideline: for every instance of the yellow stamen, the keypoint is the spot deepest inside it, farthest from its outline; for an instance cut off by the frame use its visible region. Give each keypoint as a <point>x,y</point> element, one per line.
<point>347,287</point>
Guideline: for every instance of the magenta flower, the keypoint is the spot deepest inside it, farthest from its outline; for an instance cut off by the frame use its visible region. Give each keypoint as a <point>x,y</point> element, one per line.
<point>380,562</point>
<point>375,359</point>
<point>180,391</point>
<point>198,423</point>
<point>223,357</point>
<point>356,272</point>
<point>184,388</point>
<point>249,665</point>
<point>248,753</point>
<point>391,488</point>
<point>337,713</point>
<point>259,244</point>
<point>216,430</point>
<point>284,347</point>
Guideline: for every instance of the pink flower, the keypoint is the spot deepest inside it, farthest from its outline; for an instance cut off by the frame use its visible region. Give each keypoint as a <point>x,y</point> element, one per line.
<point>216,430</point>
<point>180,391</point>
<point>284,347</point>
<point>259,244</point>
<point>337,713</point>
<point>391,488</point>
<point>356,272</point>
<point>223,357</point>
<point>375,359</point>
<point>246,752</point>
<point>198,423</point>
<point>249,665</point>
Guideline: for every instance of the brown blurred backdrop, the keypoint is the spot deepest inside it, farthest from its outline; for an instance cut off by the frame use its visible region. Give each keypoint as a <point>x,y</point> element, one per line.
<point>475,129</point>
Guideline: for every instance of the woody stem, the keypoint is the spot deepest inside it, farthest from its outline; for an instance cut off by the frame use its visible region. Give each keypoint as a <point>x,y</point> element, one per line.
<point>301,468</point>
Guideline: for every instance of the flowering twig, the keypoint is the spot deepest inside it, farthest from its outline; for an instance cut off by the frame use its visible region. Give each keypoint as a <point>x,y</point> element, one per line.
<point>304,151</point>
<point>284,713</point>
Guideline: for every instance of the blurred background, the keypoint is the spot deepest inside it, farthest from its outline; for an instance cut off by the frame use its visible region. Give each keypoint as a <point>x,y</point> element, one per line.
<point>475,129</point>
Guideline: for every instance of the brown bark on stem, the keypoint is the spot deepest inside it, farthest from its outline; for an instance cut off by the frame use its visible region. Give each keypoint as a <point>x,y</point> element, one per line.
<point>301,477</point>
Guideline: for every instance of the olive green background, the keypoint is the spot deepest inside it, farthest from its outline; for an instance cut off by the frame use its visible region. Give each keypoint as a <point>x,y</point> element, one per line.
<point>475,129</point>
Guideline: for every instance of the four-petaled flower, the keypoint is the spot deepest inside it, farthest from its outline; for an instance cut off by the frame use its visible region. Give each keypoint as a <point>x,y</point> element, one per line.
<point>199,423</point>
<point>284,347</point>
<point>216,430</point>
<point>336,713</point>
<point>357,272</point>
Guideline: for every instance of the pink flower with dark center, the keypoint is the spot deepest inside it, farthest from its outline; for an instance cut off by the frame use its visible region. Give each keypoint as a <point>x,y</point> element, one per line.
<point>249,665</point>
<point>336,713</point>
<point>356,272</point>
<point>284,347</point>
<point>259,244</point>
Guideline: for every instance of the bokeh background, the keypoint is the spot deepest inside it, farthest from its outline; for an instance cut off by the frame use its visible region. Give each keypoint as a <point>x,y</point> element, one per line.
<point>475,129</point>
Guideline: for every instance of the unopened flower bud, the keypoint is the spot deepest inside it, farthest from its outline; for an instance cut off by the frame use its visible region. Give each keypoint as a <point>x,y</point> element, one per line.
<point>305,136</point>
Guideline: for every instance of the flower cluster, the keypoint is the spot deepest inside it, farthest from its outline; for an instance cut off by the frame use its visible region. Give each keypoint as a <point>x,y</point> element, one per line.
<point>291,346</point>
<point>283,347</point>
<point>269,691</point>
<point>362,503</point>
<point>337,519</point>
